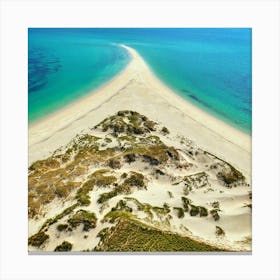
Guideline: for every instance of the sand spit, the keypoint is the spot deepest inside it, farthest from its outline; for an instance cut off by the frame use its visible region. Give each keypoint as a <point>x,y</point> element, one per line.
<point>137,88</point>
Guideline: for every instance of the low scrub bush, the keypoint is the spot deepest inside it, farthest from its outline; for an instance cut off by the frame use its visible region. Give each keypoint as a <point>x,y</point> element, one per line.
<point>65,246</point>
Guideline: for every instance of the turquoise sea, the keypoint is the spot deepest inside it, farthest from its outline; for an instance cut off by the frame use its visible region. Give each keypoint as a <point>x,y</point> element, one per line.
<point>210,67</point>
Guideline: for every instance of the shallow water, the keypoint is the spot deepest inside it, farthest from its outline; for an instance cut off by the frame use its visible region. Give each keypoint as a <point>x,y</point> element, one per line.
<point>209,67</point>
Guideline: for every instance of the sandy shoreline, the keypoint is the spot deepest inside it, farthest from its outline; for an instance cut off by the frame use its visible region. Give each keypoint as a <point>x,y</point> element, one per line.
<point>137,88</point>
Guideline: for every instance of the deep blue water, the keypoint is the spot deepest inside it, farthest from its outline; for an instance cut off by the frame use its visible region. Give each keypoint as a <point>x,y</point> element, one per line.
<point>210,67</point>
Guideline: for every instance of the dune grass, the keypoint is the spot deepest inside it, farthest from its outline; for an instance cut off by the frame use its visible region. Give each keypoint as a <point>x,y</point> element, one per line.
<point>133,236</point>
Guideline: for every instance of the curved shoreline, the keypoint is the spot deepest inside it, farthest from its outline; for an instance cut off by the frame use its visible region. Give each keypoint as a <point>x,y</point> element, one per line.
<point>137,88</point>
<point>218,126</point>
<point>85,95</point>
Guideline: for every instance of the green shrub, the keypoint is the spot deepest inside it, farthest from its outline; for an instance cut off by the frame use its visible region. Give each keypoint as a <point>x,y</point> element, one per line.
<point>121,206</point>
<point>84,200</point>
<point>150,125</point>
<point>166,206</point>
<point>108,195</point>
<point>99,179</point>
<point>114,163</point>
<point>151,160</point>
<point>186,203</point>
<point>65,246</point>
<point>159,172</point>
<point>101,234</point>
<point>216,204</point>
<point>53,220</point>
<point>250,194</point>
<point>219,231</point>
<point>230,177</point>
<point>88,219</point>
<point>170,194</point>
<point>194,210</point>
<point>135,180</point>
<point>215,214</point>
<point>180,212</point>
<point>130,158</point>
<point>203,212</point>
<point>62,227</point>
<point>82,195</point>
<point>164,130</point>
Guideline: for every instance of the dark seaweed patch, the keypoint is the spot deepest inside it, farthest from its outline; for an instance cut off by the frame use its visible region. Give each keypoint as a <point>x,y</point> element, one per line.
<point>40,65</point>
<point>185,90</point>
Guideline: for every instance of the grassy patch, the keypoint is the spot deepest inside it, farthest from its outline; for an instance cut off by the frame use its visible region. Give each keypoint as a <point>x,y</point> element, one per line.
<point>127,122</point>
<point>108,195</point>
<point>55,176</point>
<point>101,180</point>
<point>46,164</point>
<point>82,195</point>
<point>52,221</point>
<point>151,210</point>
<point>96,179</point>
<point>38,239</point>
<point>88,219</point>
<point>150,150</point>
<point>161,211</point>
<point>135,180</point>
<point>193,210</point>
<point>102,233</point>
<point>121,206</point>
<point>198,180</point>
<point>114,163</point>
<point>113,216</point>
<point>34,206</point>
<point>145,207</point>
<point>133,236</point>
<point>44,185</point>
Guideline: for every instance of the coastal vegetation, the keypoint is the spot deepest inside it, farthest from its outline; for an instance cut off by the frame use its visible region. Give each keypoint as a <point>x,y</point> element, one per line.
<point>87,219</point>
<point>129,235</point>
<point>113,169</point>
<point>38,239</point>
<point>219,231</point>
<point>65,246</point>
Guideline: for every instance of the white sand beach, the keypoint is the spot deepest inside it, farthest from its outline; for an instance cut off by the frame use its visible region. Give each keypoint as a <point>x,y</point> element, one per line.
<point>136,88</point>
